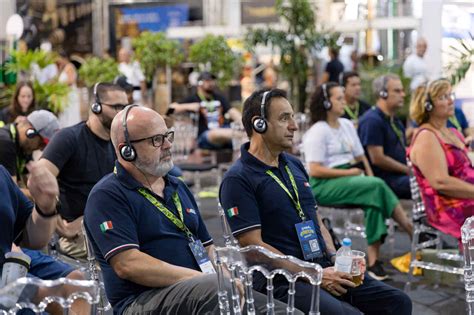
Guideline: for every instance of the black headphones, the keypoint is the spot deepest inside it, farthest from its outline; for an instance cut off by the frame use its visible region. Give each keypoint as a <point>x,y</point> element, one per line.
<point>96,107</point>
<point>260,123</point>
<point>384,93</point>
<point>428,101</point>
<point>31,133</point>
<point>326,102</point>
<point>127,152</point>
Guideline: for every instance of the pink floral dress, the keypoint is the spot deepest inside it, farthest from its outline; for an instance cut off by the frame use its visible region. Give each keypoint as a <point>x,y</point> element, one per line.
<point>444,213</point>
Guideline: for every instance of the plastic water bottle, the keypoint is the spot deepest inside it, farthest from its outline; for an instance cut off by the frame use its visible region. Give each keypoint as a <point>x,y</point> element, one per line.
<point>344,256</point>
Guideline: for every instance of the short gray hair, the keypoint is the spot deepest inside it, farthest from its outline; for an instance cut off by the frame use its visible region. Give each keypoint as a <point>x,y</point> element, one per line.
<point>380,83</point>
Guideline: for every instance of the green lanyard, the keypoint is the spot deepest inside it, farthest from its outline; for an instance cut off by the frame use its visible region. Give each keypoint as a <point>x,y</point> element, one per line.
<point>456,123</point>
<point>179,223</point>
<point>397,131</point>
<point>293,183</point>
<point>353,114</point>
<point>20,163</point>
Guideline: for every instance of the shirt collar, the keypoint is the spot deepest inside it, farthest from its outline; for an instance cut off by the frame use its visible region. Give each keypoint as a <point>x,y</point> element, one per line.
<point>250,160</point>
<point>127,180</point>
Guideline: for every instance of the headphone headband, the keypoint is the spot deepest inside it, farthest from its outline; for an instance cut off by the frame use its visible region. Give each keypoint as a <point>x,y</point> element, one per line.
<point>262,104</point>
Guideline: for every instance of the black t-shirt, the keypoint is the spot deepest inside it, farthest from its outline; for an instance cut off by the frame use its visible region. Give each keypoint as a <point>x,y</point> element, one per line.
<point>8,149</point>
<point>82,159</point>
<point>363,107</point>
<point>334,68</point>
<point>216,113</point>
<point>5,115</point>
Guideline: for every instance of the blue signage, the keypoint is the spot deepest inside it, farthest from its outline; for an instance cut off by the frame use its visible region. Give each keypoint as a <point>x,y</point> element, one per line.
<point>156,19</point>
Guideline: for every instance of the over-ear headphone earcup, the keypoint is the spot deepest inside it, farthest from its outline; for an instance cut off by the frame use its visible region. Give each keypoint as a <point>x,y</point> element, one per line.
<point>96,108</point>
<point>260,125</point>
<point>383,95</point>
<point>428,106</point>
<point>128,153</point>
<point>327,105</point>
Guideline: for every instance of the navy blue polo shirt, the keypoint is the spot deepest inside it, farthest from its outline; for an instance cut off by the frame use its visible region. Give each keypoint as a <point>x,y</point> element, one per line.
<point>118,218</point>
<point>375,129</point>
<point>262,203</point>
<point>15,209</point>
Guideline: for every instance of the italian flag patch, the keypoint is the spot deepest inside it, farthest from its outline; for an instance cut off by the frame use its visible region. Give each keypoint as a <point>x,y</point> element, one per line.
<point>232,212</point>
<point>105,226</point>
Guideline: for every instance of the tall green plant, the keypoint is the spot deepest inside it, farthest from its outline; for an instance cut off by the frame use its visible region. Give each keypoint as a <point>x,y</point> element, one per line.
<point>295,44</point>
<point>154,50</point>
<point>96,69</point>
<point>213,54</point>
<point>24,60</point>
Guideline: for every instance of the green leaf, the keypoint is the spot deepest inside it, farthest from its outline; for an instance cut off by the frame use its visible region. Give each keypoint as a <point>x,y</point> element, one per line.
<point>96,69</point>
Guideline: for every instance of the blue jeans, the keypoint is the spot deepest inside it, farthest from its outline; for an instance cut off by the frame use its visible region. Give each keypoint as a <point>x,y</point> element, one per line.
<point>46,267</point>
<point>400,185</point>
<point>371,297</point>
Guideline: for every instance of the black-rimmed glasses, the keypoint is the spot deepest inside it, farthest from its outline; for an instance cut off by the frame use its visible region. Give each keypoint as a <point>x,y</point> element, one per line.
<point>158,140</point>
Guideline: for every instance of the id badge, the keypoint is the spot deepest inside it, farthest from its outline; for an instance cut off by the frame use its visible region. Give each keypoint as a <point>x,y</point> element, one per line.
<point>200,254</point>
<point>308,239</point>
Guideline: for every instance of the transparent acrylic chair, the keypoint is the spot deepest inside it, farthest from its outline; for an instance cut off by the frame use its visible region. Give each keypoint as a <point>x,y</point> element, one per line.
<point>467,236</point>
<point>36,294</point>
<point>94,274</point>
<point>421,227</point>
<point>235,263</point>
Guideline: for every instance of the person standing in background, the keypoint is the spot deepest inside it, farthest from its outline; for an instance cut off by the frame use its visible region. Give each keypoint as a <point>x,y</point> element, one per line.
<point>71,113</point>
<point>415,66</point>
<point>134,74</point>
<point>334,68</point>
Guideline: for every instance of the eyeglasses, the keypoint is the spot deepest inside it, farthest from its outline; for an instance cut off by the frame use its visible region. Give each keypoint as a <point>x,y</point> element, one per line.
<point>447,96</point>
<point>158,140</point>
<point>116,107</point>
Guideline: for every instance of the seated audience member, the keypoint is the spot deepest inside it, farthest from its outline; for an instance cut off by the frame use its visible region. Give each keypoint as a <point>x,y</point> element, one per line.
<point>143,238</point>
<point>213,109</point>
<point>269,200</point>
<point>383,135</point>
<point>79,156</point>
<point>440,162</point>
<point>22,104</point>
<point>19,140</point>
<point>337,163</point>
<point>355,107</point>
<point>31,225</point>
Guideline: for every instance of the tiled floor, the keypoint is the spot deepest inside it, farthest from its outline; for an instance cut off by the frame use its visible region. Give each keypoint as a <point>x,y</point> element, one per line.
<point>427,300</point>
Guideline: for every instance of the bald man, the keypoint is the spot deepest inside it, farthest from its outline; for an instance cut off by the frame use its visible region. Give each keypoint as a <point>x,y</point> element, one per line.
<point>415,66</point>
<point>134,218</point>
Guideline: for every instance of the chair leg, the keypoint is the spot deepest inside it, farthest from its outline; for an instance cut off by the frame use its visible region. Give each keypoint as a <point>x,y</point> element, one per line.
<point>414,243</point>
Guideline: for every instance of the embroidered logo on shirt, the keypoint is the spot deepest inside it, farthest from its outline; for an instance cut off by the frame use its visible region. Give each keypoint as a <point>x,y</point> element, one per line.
<point>306,184</point>
<point>189,210</point>
<point>232,212</point>
<point>105,226</point>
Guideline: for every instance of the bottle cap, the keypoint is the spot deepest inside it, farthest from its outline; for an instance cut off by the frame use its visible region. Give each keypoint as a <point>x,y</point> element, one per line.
<point>346,242</point>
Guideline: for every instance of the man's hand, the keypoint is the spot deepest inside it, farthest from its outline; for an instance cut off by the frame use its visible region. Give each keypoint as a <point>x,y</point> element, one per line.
<point>334,281</point>
<point>69,230</point>
<point>43,187</point>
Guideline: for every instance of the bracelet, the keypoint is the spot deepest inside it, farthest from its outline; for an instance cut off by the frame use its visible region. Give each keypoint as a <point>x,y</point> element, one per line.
<point>44,215</point>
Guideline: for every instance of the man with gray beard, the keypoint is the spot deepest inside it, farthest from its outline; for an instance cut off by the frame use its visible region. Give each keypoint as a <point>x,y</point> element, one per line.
<point>146,230</point>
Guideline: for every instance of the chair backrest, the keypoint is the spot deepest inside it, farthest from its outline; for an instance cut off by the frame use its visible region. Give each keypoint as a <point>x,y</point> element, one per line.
<point>234,263</point>
<point>24,294</point>
<point>185,137</point>
<point>94,274</point>
<point>418,205</point>
<point>467,236</point>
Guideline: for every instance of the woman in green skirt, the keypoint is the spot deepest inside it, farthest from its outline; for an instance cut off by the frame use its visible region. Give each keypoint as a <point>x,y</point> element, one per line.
<point>341,175</point>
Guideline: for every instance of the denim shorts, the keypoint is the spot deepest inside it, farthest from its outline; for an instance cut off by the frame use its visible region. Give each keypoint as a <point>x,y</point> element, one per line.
<point>46,267</point>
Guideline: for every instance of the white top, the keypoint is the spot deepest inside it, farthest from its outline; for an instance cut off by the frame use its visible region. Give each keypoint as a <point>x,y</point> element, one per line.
<point>415,68</point>
<point>332,147</point>
<point>134,74</point>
